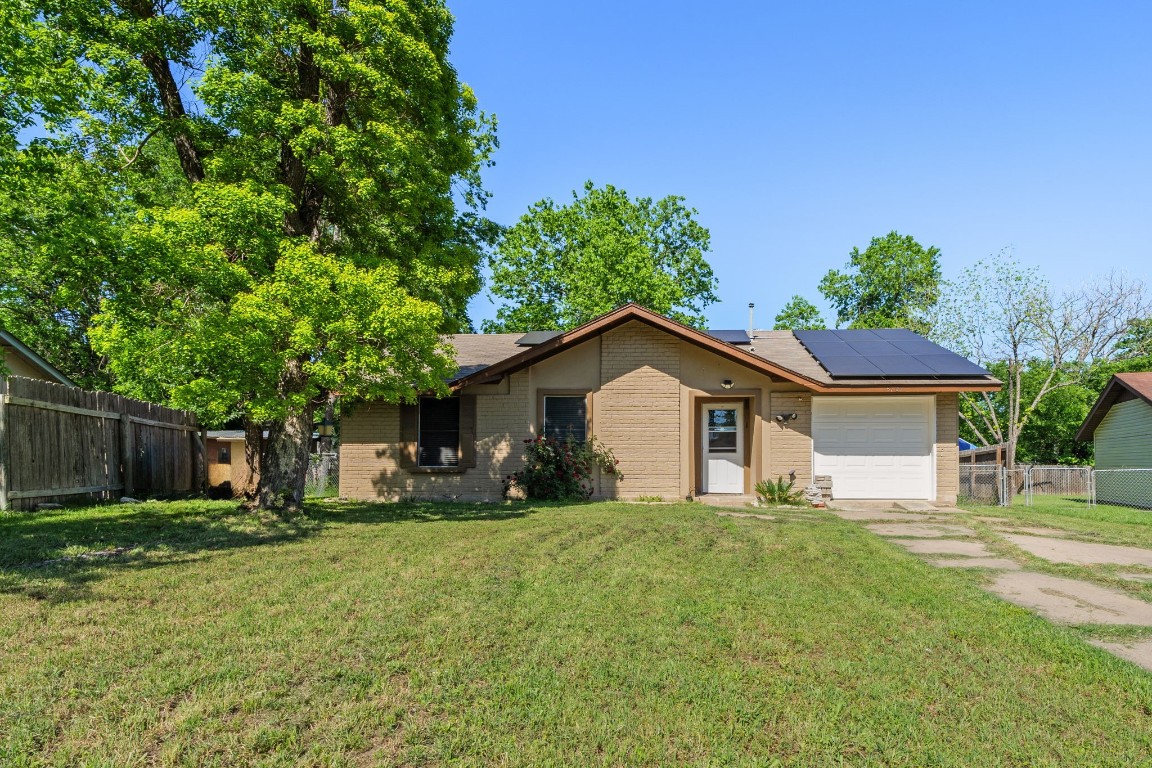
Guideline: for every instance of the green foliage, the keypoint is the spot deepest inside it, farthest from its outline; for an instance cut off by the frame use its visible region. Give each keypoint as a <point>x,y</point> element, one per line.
<point>1049,435</point>
<point>799,314</point>
<point>560,470</point>
<point>894,283</point>
<point>563,265</point>
<point>307,223</point>
<point>62,244</point>
<point>778,492</point>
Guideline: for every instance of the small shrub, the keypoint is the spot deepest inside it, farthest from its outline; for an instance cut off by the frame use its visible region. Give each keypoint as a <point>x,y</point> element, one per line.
<point>559,470</point>
<point>778,492</point>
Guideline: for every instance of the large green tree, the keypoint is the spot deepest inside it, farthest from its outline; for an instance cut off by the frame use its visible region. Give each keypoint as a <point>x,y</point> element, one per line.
<point>562,265</point>
<point>799,314</point>
<point>327,227</point>
<point>893,283</point>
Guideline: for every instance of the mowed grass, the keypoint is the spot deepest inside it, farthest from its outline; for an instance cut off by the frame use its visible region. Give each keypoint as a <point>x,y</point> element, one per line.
<point>523,635</point>
<point>1106,523</point>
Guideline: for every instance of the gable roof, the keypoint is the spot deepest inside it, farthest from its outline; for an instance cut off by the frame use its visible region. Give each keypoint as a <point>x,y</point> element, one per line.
<point>33,359</point>
<point>487,357</point>
<point>1121,387</point>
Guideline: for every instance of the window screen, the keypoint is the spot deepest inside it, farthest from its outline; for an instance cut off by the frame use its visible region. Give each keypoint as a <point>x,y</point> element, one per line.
<point>566,417</point>
<point>439,432</point>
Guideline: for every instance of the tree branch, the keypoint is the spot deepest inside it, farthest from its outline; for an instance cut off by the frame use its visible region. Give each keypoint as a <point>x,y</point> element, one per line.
<point>139,147</point>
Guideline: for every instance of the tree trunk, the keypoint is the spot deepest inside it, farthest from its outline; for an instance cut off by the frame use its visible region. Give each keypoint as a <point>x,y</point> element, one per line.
<point>284,462</point>
<point>1010,453</point>
<point>253,448</point>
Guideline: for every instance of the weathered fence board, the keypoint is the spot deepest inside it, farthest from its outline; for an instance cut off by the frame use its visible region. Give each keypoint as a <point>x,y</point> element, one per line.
<point>61,442</point>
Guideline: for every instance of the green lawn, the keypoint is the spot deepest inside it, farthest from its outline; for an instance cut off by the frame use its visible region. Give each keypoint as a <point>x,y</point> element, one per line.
<point>1103,522</point>
<point>599,634</point>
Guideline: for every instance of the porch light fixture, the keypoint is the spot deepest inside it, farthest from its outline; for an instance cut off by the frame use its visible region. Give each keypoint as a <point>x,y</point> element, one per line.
<point>783,417</point>
<point>727,383</point>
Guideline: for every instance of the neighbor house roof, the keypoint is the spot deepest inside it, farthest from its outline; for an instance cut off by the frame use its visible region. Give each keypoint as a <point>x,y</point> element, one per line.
<point>488,357</point>
<point>1121,387</point>
<point>33,359</point>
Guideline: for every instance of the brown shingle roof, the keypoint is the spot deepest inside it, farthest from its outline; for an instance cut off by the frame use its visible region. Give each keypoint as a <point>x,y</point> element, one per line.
<point>776,353</point>
<point>1124,386</point>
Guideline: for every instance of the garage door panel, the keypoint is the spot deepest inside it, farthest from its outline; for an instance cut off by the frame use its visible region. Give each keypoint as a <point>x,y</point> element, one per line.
<point>874,447</point>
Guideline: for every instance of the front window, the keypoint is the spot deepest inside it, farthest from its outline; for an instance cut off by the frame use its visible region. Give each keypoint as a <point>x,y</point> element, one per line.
<point>566,417</point>
<point>439,432</point>
<point>722,430</point>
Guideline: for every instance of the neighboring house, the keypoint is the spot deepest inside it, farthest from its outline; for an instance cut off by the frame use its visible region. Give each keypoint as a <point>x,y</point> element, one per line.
<point>226,461</point>
<point>1120,424</point>
<point>21,361</point>
<point>687,413</point>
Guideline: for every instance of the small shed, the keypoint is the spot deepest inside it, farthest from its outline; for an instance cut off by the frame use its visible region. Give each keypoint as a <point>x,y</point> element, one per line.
<point>1120,424</point>
<point>226,461</point>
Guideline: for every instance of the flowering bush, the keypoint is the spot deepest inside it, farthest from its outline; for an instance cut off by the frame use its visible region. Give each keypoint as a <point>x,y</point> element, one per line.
<point>562,469</point>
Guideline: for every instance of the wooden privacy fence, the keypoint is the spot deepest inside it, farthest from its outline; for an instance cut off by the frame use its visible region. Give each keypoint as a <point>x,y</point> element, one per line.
<point>58,443</point>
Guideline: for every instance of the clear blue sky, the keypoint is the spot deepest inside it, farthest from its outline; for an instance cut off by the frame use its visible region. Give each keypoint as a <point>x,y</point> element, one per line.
<point>800,130</point>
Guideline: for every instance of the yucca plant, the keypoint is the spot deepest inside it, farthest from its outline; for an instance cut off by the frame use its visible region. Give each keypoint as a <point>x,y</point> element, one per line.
<point>778,492</point>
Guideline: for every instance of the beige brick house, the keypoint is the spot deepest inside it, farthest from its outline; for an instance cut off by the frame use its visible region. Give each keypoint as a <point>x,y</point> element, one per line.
<point>688,413</point>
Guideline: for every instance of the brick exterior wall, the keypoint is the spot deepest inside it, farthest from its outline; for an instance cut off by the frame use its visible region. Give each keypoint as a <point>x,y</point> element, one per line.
<point>947,448</point>
<point>369,451</point>
<point>641,411</point>
<point>637,410</point>
<point>790,444</point>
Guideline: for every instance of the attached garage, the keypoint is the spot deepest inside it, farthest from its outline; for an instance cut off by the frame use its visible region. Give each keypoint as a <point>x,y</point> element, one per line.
<point>875,447</point>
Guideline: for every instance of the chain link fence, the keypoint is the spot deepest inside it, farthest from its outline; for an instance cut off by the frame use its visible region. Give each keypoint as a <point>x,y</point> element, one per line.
<point>1123,487</point>
<point>323,475</point>
<point>999,486</point>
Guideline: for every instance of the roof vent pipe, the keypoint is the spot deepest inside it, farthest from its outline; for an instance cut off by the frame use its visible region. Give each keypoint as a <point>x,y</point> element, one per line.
<point>751,322</point>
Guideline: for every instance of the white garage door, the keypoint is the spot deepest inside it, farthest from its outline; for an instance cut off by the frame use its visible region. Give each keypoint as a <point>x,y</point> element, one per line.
<point>875,447</point>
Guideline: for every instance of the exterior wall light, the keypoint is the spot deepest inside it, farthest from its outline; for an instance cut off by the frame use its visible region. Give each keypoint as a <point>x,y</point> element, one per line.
<point>727,383</point>
<point>783,417</point>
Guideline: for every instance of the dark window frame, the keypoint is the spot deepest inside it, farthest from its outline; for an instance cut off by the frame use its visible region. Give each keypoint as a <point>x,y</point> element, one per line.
<point>422,443</point>
<point>543,395</point>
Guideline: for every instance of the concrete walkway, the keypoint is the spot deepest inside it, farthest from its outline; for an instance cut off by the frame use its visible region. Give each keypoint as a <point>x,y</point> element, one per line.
<point>948,543</point>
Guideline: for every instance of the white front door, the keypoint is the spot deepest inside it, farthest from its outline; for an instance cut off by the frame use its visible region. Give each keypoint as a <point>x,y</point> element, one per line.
<point>722,448</point>
<point>875,447</point>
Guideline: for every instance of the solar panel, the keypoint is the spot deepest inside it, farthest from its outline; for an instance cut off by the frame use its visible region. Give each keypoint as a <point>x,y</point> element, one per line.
<point>532,338</point>
<point>895,352</point>
<point>855,365</point>
<point>730,337</point>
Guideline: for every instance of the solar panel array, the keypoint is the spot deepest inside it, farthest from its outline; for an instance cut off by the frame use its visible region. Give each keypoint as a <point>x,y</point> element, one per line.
<point>731,337</point>
<point>886,352</point>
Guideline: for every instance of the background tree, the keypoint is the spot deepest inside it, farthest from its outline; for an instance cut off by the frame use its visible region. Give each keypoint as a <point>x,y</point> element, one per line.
<point>1005,317</point>
<point>314,242</point>
<point>561,266</point>
<point>893,283</point>
<point>799,314</point>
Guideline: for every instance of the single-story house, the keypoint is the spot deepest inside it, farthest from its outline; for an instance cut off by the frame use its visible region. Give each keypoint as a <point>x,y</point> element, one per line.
<point>687,412</point>
<point>22,361</point>
<point>1120,424</point>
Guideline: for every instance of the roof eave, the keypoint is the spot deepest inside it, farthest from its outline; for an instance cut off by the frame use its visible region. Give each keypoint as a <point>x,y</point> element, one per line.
<point>49,369</point>
<point>1103,404</point>
<point>630,312</point>
<point>618,317</point>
